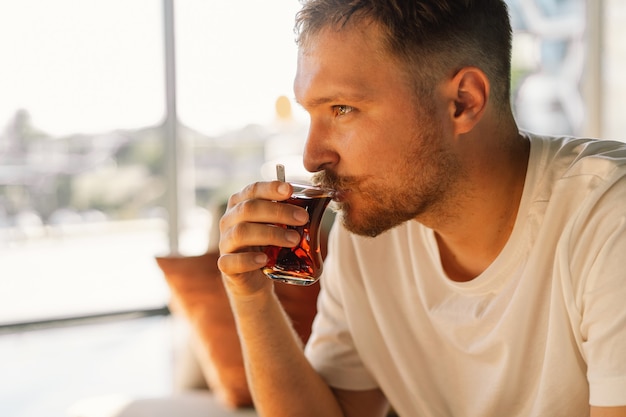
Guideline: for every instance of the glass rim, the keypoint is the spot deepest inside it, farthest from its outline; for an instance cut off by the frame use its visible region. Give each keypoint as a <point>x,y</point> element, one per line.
<point>300,186</point>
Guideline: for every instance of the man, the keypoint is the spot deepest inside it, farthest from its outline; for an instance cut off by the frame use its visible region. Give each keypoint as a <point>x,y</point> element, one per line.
<point>475,270</point>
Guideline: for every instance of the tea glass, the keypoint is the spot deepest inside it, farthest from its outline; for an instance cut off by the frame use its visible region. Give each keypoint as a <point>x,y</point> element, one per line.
<point>302,264</point>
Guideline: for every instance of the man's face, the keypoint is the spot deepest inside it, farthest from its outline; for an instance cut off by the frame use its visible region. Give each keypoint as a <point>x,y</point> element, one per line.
<point>386,157</point>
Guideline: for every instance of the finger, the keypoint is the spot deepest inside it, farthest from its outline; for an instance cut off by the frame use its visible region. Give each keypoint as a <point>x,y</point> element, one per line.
<point>242,273</point>
<point>272,190</point>
<point>235,264</point>
<point>263,211</point>
<point>242,236</point>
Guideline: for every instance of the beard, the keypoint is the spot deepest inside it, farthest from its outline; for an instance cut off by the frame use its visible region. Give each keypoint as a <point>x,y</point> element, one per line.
<point>419,186</point>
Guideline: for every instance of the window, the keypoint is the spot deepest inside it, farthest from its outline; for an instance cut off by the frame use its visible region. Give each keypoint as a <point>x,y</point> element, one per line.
<point>84,177</point>
<point>567,66</point>
<point>81,177</point>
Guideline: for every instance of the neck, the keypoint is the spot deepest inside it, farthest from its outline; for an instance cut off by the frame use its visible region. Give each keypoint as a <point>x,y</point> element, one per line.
<point>481,220</point>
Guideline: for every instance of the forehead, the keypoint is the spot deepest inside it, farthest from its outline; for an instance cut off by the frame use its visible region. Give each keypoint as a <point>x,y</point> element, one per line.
<point>348,62</point>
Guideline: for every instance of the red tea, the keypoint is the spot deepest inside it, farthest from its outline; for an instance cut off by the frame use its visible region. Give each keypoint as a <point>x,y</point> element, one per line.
<point>302,264</point>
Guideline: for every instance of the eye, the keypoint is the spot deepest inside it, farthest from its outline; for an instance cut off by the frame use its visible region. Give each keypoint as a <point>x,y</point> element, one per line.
<point>342,110</point>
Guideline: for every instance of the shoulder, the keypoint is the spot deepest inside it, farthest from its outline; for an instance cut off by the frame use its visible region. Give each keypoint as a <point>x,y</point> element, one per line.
<point>570,156</point>
<point>574,171</point>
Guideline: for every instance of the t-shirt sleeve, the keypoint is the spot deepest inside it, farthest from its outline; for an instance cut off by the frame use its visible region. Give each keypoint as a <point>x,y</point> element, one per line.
<point>603,300</point>
<point>331,349</point>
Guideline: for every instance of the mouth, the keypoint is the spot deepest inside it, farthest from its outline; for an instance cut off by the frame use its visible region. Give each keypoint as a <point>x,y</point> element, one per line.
<point>340,195</point>
<point>341,186</point>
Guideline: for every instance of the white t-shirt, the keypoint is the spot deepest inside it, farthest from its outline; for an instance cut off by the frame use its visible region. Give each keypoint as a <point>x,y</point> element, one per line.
<point>541,332</point>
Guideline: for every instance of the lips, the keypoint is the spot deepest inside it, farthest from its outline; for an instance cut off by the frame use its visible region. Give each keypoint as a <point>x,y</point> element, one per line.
<point>342,186</point>
<point>340,195</point>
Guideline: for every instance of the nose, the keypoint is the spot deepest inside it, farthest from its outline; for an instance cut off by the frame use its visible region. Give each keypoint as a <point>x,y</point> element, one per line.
<point>319,153</point>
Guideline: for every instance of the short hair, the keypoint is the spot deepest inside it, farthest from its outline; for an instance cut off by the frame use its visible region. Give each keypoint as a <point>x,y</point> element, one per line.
<point>434,38</point>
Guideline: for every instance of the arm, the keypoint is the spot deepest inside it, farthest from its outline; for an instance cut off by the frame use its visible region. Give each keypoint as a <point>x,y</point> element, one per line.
<point>282,381</point>
<point>608,411</point>
<point>362,403</point>
<point>603,315</point>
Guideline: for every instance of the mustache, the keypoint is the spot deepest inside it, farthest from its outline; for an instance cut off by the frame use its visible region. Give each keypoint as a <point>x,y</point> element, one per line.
<point>329,179</point>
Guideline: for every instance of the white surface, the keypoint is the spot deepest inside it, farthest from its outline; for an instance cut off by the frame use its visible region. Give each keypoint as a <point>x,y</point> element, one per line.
<point>44,372</point>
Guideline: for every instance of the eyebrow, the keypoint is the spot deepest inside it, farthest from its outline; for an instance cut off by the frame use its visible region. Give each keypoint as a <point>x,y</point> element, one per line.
<point>338,99</point>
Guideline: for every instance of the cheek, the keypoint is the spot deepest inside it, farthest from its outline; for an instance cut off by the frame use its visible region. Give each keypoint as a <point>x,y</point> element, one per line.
<point>374,146</point>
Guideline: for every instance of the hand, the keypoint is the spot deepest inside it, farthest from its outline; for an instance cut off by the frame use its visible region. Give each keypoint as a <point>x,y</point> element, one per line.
<point>248,225</point>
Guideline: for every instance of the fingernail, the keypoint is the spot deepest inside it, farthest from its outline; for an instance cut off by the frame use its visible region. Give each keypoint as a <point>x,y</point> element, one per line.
<point>292,236</point>
<point>283,188</point>
<point>300,216</point>
<point>260,259</point>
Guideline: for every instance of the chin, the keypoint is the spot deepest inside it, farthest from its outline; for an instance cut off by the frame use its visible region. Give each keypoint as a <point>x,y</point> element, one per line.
<point>361,227</point>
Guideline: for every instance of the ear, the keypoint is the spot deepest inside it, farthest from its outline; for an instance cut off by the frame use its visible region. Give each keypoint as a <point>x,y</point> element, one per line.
<point>468,92</point>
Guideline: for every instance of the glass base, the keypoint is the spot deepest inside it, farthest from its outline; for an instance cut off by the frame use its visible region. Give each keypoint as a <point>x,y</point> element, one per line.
<point>293,280</point>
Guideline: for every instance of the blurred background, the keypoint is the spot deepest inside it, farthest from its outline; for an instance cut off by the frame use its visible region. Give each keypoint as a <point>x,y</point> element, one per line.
<point>125,124</point>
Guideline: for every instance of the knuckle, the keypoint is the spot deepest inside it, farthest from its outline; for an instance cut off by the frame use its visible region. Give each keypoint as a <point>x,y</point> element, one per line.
<point>245,209</point>
<point>238,232</point>
<point>231,239</point>
<point>224,243</point>
<point>253,188</point>
<point>223,223</point>
<point>222,263</point>
<point>226,218</point>
<point>232,200</point>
